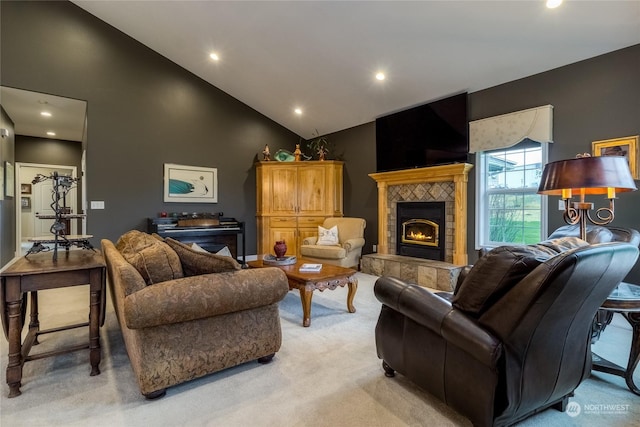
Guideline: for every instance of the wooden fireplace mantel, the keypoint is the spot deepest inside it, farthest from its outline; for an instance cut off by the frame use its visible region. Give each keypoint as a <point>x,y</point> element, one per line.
<point>456,173</point>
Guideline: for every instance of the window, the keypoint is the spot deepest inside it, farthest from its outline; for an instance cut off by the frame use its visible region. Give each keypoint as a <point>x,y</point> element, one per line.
<point>508,208</point>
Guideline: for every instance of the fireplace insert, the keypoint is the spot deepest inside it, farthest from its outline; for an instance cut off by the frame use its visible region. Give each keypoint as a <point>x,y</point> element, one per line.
<point>419,227</point>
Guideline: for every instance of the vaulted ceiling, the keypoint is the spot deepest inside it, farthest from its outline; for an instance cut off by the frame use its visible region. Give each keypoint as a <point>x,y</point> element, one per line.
<point>322,56</point>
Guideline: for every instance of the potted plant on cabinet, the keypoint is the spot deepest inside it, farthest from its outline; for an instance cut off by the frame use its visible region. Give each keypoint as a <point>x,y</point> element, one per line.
<point>320,145</point>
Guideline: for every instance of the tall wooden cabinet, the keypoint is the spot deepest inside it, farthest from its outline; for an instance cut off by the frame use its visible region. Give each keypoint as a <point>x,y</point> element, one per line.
<point>293,199</point>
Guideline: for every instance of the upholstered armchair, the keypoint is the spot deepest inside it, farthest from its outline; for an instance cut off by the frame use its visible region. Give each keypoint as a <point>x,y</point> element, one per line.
<point>515,338</point>
<point>339,242</point>
<point>185,314</point>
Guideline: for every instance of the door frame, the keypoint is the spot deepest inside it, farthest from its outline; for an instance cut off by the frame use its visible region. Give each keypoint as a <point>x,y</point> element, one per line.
<point>18,211</point>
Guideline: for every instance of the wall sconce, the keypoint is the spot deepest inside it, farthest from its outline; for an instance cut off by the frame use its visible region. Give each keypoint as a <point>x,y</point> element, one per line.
<point>586,175</point>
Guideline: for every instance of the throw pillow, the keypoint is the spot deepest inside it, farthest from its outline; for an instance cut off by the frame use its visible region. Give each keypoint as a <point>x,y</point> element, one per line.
<point>328,237</point>
<point>155,260</point>
<point>196,247</point>
<point>494,274</point>
<point>195,263</point>
<point>222,252</point>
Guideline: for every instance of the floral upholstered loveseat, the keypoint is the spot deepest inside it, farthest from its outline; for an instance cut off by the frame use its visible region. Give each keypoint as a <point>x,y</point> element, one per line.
<point>185,313</point>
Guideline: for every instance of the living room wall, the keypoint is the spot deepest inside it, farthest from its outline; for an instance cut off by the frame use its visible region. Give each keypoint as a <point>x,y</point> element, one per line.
<point>143,111</point>
<point>7,205</point>
<point>595,99</point>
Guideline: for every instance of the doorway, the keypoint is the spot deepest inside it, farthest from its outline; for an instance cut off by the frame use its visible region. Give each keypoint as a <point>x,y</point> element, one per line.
<point>48,129</point>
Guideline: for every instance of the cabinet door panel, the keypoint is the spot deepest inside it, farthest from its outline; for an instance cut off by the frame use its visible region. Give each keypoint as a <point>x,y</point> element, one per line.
<point>312,190</point>
<point>283,191</point>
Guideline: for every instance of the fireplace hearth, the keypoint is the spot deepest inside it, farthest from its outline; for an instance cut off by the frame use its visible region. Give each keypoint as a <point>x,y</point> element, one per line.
<point>419,225</point>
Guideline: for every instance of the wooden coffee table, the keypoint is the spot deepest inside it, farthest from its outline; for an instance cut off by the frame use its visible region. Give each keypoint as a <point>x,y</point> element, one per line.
<point>330,277</point>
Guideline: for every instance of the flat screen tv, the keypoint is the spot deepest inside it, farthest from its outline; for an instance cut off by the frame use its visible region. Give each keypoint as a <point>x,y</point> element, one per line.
<point>431,134</point>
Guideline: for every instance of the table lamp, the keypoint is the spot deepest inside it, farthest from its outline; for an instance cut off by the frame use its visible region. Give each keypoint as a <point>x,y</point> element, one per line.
<point>586,175</point>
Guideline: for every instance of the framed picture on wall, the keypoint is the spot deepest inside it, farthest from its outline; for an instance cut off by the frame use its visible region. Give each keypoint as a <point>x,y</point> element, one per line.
<point>190,184</point>
<point>25,202</point>
<point>626,147</point>
<point>25,188</point>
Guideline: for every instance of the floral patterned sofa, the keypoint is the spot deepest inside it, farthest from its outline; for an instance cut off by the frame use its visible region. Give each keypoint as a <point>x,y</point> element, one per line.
<point>185,314</point>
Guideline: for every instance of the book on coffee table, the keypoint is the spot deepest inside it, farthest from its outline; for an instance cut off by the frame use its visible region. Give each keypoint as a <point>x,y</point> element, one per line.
<point>311,267</point>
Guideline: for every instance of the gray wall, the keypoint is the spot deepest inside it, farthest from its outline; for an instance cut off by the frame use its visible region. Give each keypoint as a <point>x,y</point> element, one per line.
<point>7,205</point>
<point>594,99</point>
<point>143,111</point>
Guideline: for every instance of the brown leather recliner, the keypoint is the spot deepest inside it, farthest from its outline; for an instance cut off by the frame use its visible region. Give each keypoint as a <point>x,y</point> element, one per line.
<point>514,340</point>
<point>600,234</point>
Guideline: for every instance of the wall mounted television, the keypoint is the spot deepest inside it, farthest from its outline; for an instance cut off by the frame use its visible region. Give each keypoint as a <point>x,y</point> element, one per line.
<point>430,134</point>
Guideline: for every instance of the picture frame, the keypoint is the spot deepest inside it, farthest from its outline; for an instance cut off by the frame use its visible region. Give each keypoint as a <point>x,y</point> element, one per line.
<point>25,202</point>
<point>25,188</point>
<point>190,184</point>
<point>626,147</point>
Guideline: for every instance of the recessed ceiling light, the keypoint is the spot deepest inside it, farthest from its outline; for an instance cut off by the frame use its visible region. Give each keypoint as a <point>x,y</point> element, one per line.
<point>298,111</point>
<point>214,56</point>
<point>45,114</point>
<point>51,133</point>
<point>552,4</point>
<point>380,76</point>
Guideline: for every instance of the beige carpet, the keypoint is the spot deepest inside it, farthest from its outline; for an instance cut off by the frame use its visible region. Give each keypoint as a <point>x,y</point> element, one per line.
<point>324,375</point>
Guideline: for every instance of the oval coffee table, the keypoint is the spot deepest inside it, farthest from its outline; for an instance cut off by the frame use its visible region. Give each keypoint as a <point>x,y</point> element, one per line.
<point>329,277</point>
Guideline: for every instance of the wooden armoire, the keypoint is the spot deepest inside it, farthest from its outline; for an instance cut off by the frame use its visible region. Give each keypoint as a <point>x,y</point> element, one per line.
<point>293,199</point>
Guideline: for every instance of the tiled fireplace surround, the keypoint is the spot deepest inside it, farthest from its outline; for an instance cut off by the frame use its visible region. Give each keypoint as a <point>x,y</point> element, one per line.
<point>447,183</point>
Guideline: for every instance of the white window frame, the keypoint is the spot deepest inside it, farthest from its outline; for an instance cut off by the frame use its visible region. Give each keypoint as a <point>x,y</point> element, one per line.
<point>482,217</point>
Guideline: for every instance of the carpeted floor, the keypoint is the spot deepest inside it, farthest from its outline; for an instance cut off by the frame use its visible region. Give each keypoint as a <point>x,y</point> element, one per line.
<point>324,375</point>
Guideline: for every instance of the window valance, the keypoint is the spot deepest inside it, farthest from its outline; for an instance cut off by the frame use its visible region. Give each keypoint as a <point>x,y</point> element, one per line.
<point>509,129</point>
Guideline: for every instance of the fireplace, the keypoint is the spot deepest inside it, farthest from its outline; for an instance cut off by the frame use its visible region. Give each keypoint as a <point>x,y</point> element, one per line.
<point>419,228</point>
<point>446,183</point>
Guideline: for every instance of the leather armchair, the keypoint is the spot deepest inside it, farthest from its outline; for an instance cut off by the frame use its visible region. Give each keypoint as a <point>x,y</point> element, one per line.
<point>600,234</point>
<point>515,338</point>
<point>349,249</point>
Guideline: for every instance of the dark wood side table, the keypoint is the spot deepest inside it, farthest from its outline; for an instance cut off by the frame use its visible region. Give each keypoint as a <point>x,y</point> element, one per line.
<point>625,299</point>
<point>38,272</point>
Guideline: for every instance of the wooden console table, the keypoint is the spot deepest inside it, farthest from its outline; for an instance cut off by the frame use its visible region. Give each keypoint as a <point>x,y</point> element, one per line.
<point>39,272</point>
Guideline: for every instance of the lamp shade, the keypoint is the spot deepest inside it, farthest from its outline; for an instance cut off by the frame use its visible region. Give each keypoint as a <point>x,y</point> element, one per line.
<point>590,175</point>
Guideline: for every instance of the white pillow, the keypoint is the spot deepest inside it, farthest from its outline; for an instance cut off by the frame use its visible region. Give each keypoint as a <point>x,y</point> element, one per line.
<point>224,251</point>
<point>328,237</point>
<point>198,248</point>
